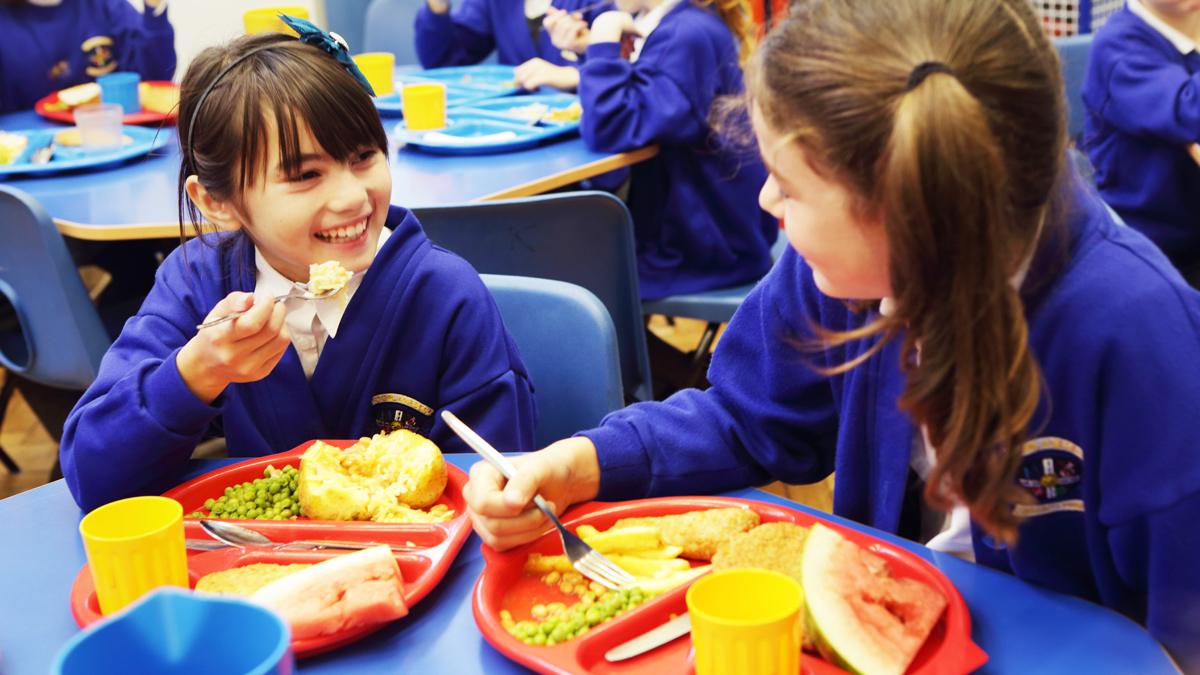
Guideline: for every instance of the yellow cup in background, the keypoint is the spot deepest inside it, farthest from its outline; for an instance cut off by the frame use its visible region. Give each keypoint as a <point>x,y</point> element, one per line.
<point>133,546</point>
<point>379,68</point>
<point>424,106</point>
<point>746,622</point>
<point>266,19</point>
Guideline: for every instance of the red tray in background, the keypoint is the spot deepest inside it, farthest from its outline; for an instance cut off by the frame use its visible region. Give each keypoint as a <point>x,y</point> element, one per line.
<point>422,569</point>
<point>504,585</point>
<point>67,116</point>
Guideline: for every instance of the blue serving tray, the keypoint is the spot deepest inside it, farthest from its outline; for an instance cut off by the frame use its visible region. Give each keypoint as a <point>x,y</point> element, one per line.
<point>498,79</point>
<point>474,131</point>
<point>67,158</point>
<point>501,107</point>
<point>389,105</point>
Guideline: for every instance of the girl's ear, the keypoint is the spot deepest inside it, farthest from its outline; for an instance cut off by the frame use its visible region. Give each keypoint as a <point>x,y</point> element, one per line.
<point>216,211</point>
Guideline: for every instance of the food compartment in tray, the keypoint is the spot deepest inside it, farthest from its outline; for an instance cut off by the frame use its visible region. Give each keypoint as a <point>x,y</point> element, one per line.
<point>551,110</point>
<point>389,105</point>
<point>496,77</point>
<point>505,585</point>
<point>195,493</point>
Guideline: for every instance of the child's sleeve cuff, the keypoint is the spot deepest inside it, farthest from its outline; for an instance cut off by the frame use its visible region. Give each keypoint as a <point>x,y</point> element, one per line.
<point>169,400</point>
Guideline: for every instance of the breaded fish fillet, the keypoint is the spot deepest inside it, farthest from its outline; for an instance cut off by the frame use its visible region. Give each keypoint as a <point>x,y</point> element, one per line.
<point>699,533</point>
<point>771,546</point>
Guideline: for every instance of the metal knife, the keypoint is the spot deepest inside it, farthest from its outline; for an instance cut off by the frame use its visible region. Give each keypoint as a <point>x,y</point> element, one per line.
<point>651,639</point>
<point>210,545</point>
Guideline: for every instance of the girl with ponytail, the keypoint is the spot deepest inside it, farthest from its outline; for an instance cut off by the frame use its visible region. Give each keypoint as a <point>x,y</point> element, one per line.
<point>990,364</point>
<point>653,80</point>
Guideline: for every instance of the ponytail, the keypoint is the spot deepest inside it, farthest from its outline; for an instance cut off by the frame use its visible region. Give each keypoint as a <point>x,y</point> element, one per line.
<point>737,16</point>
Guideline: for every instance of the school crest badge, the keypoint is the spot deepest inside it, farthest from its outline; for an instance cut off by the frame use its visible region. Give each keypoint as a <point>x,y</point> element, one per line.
<point>1052,472</point>
<point>397,411</point>
<point>100,58</point>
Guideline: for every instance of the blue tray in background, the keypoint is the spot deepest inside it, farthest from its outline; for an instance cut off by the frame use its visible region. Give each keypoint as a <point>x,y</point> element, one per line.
<point>389,106</point>
<point>469,133</point>
<point>68,158</point>
<point>498,79</point>
<point>524,109</point>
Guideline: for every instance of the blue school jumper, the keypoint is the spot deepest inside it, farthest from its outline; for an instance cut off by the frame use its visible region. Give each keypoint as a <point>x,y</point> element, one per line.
<point>471,30</point>
<point>44,49</point>
<point>421,326</point>
<point>695,205</point>
<point>1111,468</point>
<point>1143,110</point>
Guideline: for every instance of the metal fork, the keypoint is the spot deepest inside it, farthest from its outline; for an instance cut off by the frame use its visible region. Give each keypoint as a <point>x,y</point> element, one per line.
<point>585,559</point>
<point>296,286</point>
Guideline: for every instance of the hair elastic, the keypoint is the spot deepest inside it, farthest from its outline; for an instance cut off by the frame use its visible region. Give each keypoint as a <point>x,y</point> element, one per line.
<point>925,69</point>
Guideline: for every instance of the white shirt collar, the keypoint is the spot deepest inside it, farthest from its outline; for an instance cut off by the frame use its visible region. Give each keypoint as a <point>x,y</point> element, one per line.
<point>1183,43</point>
<point>329,313</point>
<point>646,22</point>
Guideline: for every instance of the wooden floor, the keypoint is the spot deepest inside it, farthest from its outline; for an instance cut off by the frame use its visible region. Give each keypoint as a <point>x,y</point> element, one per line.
<point>28,443</point>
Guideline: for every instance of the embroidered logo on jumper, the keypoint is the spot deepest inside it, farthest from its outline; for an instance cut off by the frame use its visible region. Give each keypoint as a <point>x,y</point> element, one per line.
<point>1052,471</point>
<point>397,411</point>
<point>99,55</point>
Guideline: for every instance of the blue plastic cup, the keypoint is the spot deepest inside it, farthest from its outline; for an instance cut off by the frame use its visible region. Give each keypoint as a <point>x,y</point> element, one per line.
<point>173,631</point>
<point>122,88</point>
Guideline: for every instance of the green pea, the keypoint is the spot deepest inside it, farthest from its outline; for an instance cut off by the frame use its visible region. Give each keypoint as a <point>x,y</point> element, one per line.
<point>538,639</point>
<point>286,513</point>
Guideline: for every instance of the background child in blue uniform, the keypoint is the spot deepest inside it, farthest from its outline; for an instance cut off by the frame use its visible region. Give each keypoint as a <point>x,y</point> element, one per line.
<point>50,45</point>
<point>288,151</point>
<point>696,221</point>
<point>1142,94</point>
<point>1033,367</point>
<point>512,28</point>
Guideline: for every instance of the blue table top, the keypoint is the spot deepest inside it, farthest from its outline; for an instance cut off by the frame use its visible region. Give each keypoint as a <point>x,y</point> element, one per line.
<point>142,192</point>
<point>1023,629</point>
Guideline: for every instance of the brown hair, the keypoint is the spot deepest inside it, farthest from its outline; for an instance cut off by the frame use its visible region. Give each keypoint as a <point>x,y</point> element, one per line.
<point>960,169</point>
<point>737,16</point>
<point>284,78</point>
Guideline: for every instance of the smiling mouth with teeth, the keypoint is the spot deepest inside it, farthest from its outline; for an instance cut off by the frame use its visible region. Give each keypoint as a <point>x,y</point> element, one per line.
<point>341,235</point>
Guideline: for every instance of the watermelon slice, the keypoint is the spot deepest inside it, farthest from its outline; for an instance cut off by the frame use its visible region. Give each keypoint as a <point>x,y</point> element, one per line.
<point>858,615</point>
<point>347,591</point>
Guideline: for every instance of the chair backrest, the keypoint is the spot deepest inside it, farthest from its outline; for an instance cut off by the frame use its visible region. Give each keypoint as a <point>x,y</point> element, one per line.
<point>1073,52</point>
<point>569,346</point>
<point>583,238</point>
<point>389,28</point>
<point>58,339</point>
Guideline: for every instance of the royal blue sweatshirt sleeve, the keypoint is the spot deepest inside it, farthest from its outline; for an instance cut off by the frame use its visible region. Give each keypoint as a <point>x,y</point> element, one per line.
<point>1126,78</point>
<point>138,423</point>
<point>460,37</point>
<point>768,414</point>
<point>664,97</point>
<point>145,42</point>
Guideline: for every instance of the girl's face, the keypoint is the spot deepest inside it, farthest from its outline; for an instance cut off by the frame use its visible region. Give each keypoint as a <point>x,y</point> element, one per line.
<point>848,256</point>
<point>329,209</point>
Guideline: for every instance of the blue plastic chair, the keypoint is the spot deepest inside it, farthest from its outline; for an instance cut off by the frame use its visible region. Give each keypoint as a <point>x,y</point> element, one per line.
<point>58,339</point>
<point>389,28</point>
<point>583,238</point>
<point>1073,52</point>
<point>569,346</point>
<point>714,307</point>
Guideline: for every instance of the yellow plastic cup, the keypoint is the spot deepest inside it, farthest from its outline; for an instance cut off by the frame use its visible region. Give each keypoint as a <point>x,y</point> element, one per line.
<point>379,68</point>
<point>266,19</point>
<point>746,622</point>
<point>134,546</point>
<point>424,106</point>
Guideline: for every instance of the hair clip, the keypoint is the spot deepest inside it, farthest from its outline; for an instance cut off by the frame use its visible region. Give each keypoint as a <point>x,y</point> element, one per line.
<point>331,43</point>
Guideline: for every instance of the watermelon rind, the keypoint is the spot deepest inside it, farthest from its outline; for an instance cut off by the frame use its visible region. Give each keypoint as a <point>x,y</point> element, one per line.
<point>829,618</point>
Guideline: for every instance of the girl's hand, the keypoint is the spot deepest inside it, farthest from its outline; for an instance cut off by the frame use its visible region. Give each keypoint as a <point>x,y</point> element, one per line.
<point>438,6</point>
<point>536,73</point>
<point>243,350</point>
<point>612,26</point>
<point>567,31</point>
<point>564,473</point>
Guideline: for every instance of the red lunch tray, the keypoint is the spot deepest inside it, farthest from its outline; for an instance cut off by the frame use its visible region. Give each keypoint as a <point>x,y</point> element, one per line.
<point>421,569</point>
<point>67,116</point>
<point>504,585</point>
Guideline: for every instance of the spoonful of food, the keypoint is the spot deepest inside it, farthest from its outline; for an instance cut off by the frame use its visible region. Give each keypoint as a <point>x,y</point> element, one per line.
<point>243,537</point>
<point>325,280</point>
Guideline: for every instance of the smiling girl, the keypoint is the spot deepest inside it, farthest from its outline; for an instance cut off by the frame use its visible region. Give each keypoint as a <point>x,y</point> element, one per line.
<point>284,152</point>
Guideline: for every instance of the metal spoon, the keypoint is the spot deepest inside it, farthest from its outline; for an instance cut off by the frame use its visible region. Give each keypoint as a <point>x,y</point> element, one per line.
<point>241,537</point>
<point>42,155</point>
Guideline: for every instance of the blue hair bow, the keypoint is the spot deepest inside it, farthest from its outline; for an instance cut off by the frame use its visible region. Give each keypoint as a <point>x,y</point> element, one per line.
<point>330,43</point>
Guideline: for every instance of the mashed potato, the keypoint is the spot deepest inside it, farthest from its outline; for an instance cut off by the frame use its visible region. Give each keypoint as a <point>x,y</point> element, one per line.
<point>386,478</point>
<point>327,276</point>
